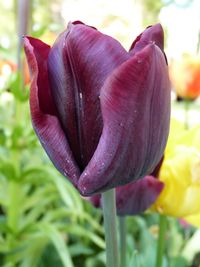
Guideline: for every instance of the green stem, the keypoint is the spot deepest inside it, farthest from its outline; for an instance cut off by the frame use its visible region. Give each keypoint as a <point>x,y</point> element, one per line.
<point>161,240</point>
<point>13,212</point>
<point>198,43</point>
<point>186,104</point>
<point>122,231</point>
<point>109,214</point>
<point>23,18</point>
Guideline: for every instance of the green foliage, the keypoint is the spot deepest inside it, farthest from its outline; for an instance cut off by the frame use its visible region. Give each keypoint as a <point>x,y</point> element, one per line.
<point>40,212</point>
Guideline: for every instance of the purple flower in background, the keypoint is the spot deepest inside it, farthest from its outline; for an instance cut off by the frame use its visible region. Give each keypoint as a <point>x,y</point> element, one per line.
<point>101,113</point>
<point>135,197</point>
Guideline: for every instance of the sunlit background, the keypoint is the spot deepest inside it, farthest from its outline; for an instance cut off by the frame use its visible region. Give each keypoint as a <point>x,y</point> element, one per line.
<point>123,20</point>
<point>43,220</point>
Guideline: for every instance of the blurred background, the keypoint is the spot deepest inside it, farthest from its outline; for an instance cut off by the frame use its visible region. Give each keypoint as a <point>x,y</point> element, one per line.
<point>43,220</point>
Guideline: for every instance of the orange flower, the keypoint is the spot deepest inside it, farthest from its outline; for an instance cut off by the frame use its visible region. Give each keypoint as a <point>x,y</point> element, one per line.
<point>7,66</point>
<point>185,76</point>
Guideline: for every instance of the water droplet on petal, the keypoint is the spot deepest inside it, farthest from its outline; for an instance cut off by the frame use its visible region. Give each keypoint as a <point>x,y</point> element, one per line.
<point>64,173</point>
<point>74,175</point>
<point>84,174</point>
<point>152,42</point>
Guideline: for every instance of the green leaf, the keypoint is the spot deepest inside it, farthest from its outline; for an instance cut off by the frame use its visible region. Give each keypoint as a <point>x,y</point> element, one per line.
<point>82,232</point>
<point>7,169</point>
<point>68,194</point>
<point>17,87</point>
<point>59,243</point>
<point>80,249</point>
<point>34,252</point>
<point>3,223</point>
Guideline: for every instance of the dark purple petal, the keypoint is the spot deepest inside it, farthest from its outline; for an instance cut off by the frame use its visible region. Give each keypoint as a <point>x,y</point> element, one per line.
<point>152,34</point>
<point>135,104</point>
<point>95,200</point>
<point>79,62</point>
<point>37,53</point>
<point>43,111</point>
<point>76,22</point>
<point>156,171</point>
<point>136,197</point>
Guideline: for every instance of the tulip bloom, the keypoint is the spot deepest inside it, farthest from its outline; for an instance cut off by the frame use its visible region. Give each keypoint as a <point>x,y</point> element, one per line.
<point>100,112</point>
<point>180,172</point>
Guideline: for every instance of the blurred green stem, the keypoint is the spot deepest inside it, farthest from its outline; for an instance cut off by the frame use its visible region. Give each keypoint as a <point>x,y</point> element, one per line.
<point>13,207</point>
<point>186,105</point>
<point>198,43</point>
<point>23,19</point>
<point>122,238</point>
<point>109,214</point>
<point>161,240</point>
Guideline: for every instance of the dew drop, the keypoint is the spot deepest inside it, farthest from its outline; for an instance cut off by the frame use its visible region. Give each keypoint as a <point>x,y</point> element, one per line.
<point>99,171</point>
<point>84,174</point>
<point>74,175</point>
<point>152,42</point>
<point>102,164</point>
<point>65,173</point>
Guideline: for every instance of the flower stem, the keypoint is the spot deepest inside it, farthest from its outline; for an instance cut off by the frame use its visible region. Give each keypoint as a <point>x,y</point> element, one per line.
<point>23,18</point>
<point>109,213</point>
<point>122,231</point>
<point>161,240</point>
<point>186,105</point>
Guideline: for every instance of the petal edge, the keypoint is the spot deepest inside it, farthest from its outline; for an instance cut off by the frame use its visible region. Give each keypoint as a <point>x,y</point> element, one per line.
<point>44,120</point>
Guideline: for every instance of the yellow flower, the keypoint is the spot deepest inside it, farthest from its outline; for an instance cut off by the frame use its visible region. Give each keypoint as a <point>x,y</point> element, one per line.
<point>180,172</point>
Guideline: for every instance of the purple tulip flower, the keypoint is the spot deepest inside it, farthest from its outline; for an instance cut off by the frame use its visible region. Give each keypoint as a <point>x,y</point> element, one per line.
<point>101,113</point>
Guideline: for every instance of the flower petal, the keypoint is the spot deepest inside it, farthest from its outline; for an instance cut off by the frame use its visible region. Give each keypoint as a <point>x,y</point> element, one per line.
<point>43,111</point>
<point>156,171</point>
<point>136,197</point>
<point>135,103</point>
<point>152,34</point>
<point>79,62</point>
